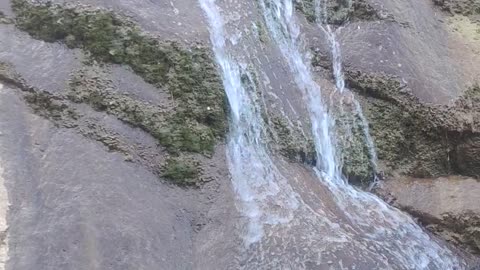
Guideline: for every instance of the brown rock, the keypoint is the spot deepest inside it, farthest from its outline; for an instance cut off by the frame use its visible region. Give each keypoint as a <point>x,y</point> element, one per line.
<point>468,156</point>
<point>447,206</point>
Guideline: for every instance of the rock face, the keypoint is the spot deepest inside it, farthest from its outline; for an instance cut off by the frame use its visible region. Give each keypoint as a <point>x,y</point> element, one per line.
<point>423,125</point>
<point>107,157</point>
<point>416,132</point>
<point>448,206</point>
<point>463,7</point>
<point>340,11</point>
<point>118,118</point>
<point>418,139</point>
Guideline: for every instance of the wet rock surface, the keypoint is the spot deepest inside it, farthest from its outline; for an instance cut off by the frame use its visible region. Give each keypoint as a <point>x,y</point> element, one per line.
<point>112,126</point>
<point>448,206</point>
<point>463,7</point>
<point>418,139</point>
<point>339,12</point>
<point>86,164</point>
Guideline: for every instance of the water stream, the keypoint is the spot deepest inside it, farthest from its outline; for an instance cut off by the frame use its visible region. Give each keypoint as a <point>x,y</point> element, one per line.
<point>291,227</point>
<point>321,15</point>
<point>256,180</point>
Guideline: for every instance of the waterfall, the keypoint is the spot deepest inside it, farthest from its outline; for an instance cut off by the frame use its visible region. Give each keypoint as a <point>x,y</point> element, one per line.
<point>321,15</point>
<point>289,226</point>
<point>407,242</point>
<point>256,180</point>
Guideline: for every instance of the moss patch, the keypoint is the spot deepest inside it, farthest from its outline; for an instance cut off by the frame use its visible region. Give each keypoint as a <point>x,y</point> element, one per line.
<point>49,106</point>
<point>307,7</point>
<point>291,144</point>
<point>187,73</point>
<point>174,130</point>
<point>4,19</point>
<point>261,32</point>
<point>462,7</point>
<point>352,148</point>
<point>181,171</point>
<point>339,11</point>
<point>412,137</point>
<point>8,75</point>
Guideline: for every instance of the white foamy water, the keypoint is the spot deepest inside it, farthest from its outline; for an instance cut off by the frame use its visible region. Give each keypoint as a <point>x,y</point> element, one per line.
<point>4,206</point>
<point>393,232</point>
<point>292,223</point>
<point>256,180</point>
<point>322,21</point>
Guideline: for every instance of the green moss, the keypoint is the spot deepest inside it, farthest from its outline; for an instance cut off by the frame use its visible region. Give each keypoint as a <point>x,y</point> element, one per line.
<point>188,74</point>
<point>339,11</point>
<point>261,32</point>
<point>291,144</point>
<point>462,7</point>
<point>307,7</point>
<point>174,130</point>
<point>412,137</point>
<point>49,106</point>
<point>4,19</point>
<point>181,171</point>
<point>8,75</point>
<point>178,135</point>
<point>353,149</point>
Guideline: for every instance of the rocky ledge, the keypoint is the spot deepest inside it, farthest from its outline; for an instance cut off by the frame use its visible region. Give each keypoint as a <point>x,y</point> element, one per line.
<point>187,126</point>
<point>447,206</point>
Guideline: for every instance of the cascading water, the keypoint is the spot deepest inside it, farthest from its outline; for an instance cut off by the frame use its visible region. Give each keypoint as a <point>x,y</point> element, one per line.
<point>410,245</point>
<point>289,225</point>
<point>321,15</point>
<point>257,181</point>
